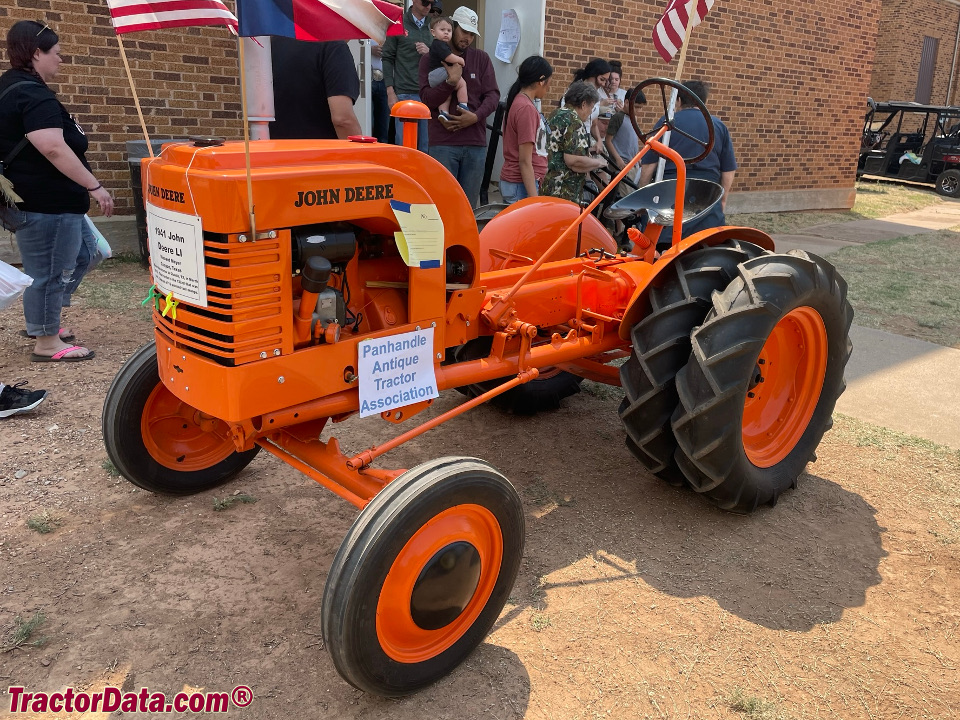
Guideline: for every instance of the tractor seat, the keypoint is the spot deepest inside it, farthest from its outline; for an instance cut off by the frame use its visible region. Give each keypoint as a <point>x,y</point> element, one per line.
<point>658,199</point>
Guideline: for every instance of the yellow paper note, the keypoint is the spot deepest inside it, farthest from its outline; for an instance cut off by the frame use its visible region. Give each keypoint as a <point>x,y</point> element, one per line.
<point>420,240</point>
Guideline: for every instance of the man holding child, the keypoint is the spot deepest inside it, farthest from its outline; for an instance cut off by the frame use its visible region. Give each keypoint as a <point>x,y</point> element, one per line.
<point>459,139</point>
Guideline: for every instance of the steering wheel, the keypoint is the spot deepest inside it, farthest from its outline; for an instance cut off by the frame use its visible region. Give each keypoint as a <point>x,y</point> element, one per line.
<point>663,84</point>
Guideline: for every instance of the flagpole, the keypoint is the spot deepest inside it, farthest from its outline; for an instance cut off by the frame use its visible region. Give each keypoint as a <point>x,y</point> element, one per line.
<point>662,164</point>
<point>246,141</point>
<point>136,100</point>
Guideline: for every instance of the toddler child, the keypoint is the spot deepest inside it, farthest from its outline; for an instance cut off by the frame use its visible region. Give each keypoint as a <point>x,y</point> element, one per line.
<point>440,54</point>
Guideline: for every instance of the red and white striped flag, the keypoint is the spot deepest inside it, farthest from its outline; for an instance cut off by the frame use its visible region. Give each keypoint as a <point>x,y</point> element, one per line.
<point>671,29</point>
<point>135,15</point>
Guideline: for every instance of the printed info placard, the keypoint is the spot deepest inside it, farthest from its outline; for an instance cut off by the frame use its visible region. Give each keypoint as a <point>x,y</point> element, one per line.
<point>176,254</point>
<point>396,371</point>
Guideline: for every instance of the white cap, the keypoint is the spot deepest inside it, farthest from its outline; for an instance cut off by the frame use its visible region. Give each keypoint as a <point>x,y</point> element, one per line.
<point>466,19</point>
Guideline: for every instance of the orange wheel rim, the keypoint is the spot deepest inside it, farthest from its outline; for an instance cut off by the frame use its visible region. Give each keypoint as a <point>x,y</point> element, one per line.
<point>172,433</point>
<point>785,388</point>
<point>439,583</point>
<point>548,372</point>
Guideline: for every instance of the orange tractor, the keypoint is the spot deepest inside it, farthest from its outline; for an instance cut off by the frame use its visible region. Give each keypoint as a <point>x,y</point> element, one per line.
<point>367,290</point>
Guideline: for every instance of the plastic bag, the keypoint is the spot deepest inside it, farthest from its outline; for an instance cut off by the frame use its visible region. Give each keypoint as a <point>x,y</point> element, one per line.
<point>12,284</point>
<point>104,251</point>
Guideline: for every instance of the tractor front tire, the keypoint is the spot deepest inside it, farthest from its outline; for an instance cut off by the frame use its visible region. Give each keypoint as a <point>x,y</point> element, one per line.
<point>422,575</point>
<point>759,390</point>
<point>948,183</point>
<point>155,440</point>
<point>661,347</point>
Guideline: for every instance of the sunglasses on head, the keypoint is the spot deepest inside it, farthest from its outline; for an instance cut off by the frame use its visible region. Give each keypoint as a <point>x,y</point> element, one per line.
<point>45,27</point>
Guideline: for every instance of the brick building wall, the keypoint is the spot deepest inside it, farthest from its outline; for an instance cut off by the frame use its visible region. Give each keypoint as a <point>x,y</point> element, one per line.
<point>903,26</point>
<point>187,82</point>
<point>790,80</point>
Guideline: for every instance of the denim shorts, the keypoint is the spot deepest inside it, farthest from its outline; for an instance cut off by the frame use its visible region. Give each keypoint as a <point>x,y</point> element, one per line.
<point>56,251</point>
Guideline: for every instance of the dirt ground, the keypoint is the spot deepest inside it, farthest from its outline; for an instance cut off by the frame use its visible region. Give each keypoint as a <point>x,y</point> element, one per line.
<point>635,599</point>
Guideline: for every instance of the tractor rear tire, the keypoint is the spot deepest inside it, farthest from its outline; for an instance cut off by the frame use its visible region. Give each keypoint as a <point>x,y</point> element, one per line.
<point>948,183</point>
<point>543,393</point>
<point>661,346</point>
<point>763,379</point>
<point>153,439</point>
<point>422,575</point>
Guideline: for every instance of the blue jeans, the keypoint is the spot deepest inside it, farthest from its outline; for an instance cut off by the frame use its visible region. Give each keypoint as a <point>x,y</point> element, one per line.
<point>423,141</point>
<point>512,192</point>
<point>465,163</point>
<point>56,251</point>
<point>381,110</point>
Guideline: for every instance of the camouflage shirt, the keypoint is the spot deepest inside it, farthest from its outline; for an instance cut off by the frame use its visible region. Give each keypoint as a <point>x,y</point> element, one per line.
<point>568,135</point>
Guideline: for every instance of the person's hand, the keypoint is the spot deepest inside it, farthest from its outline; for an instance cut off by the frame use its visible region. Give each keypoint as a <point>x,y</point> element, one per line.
<point>391,96</point>
<point>454,73</point>
<point>376,51</point>
<point>421,48</point>
<point>596,148</point>
<point>104,200</point>
<point>464,120</point>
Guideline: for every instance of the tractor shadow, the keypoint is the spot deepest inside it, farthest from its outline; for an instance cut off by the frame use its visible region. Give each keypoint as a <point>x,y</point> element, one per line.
<point>789,567</point>
<point>792,567</point>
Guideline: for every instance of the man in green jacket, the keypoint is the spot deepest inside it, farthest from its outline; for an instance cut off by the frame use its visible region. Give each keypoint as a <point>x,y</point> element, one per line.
<point>401,62</point>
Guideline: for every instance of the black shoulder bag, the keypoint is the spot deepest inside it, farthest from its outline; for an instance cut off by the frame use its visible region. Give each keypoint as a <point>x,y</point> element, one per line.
<point>9,198</point>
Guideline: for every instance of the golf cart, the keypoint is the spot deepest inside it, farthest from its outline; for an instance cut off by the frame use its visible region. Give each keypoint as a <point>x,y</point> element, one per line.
<point>909,141</point>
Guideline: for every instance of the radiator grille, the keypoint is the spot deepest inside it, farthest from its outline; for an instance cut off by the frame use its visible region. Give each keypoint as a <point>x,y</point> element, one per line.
<point>248,295</point>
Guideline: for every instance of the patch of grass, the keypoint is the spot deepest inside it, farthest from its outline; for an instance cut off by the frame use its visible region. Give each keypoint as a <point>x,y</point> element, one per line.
<point>863,434</point>
<point>874,200</point>
<point>121,258</point>
<point>879,199</point>
<point>110,468</point>
<point>23,631</point>
<point>44,523</point>
<point>540,622</point>
<point>538,492</point>
<point>601,390</point>
<point>906,285</point>
<point>220,505</point>
<point>120,286</point>
<point>790,222</point>
<point>754,707</point>
<point>937,470</point>
<point>115,295</point>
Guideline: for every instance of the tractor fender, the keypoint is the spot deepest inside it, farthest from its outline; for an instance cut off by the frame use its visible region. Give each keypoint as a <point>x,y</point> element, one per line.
<point>526,229</point>
<point>639,304</point>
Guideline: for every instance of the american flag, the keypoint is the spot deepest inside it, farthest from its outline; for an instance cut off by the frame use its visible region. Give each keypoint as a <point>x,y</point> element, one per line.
<point>136,15</point>
<point>671,29</point>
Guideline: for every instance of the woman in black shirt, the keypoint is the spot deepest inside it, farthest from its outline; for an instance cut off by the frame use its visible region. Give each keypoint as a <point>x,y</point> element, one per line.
<point>51,175</point>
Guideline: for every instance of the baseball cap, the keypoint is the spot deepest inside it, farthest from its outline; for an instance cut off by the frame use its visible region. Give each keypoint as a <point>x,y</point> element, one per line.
<point>437,7</point>
<point>466,19</point>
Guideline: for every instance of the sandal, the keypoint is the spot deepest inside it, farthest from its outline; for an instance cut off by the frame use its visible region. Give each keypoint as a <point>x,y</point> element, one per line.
<point>65,337</point>
<point>62,355</point>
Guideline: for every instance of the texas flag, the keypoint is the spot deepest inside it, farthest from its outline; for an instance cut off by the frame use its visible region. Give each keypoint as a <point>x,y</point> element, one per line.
<point>320,20</point>
<point>671,29</point>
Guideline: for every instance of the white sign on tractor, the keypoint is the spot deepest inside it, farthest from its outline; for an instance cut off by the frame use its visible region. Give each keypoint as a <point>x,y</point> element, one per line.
<point>176,254</point>
<point>396,371</point>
